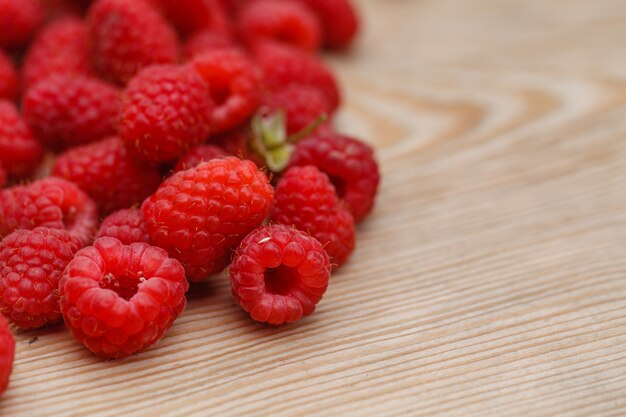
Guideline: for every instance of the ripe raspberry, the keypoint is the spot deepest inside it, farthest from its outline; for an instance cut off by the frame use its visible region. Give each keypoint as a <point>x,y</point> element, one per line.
<point>239,142</point>
<point>234,86</point>
<point>31,264</point>
<point>279,274</point>
<point>112,176</point>
<point>165,111</point>
<point>302,105</point>
<point>201,214</point>
<point>7,353</point>
<point>208,40</point>
<point>340,23</point>
<point>191,16</point>
<point>306,200</point>
<point>282,66</point>
<point>3,176</point>
<point>350,164</point>
<point>69,110</point>
<point>127,36</point>
<point>19,20</point>
<point>127,226</point>
<point>20,153</point>
<point>199,154</point>
<point>9,84</point>
<point>60,48</point>
<point>51,202</point>
<point>280,20</point>
<point>118,300</point>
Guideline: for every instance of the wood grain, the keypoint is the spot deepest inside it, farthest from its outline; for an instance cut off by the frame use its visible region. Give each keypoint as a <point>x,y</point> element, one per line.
<point>491,279</point>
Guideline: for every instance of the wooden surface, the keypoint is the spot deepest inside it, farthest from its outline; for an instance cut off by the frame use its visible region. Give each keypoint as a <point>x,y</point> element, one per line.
<point>491,280</point>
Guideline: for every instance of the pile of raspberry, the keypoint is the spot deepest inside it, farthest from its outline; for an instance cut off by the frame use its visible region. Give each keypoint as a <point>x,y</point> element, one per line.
<point>149,144</point>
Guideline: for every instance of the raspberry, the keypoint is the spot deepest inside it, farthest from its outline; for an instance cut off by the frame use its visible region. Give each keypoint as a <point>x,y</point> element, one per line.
<point>3,176</point>
<point>127,36</point>
<point>302,105</point>
<point>201,214</point>
<point>208,40</point>
<point>350,164</point>
<point>165,111</point>
<point>306,200</point>
<point>238,142</point>
<point>280,20</point>
<point>31,264</point>
<point>7,353</point>
<point>127,226</point>
<point>60,48</point>
<point>19,21</point>
<point>120,299</point>
<point>234,86</point>
<point>279,274</point>
<point>282,66</point>
<point>51,202</point>
<point>20,153</point>
<point>340,23</point>
<point>112,176</point>
<point>69,110</point>
<point>191,16</point>
<point>199,154</point>
<point>9,84</point>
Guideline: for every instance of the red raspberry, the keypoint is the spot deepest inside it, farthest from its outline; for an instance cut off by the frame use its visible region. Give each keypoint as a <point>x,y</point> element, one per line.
<point>127,226</point>
<point>340,23</point>
<point>60,48</point>
<point>7,353</point>
<point>350,164</point>
<point>306,200</point>
<point>51,202</point>
<point>118,300</point>
<point>234,86</point>
<point>191,16</point>
<point>31,264</point>
<point>112,176</point>
<point>199,154</point>
<point>208,40</point>
<point>238,142</point>
<point>165,111</point>
<point>302,105</point>
<point>280,20</point>
<point>282,66</point>
<point>9,83</point>
<point>279,274</point>
<point>127,36</point>
<point>20,153</point>
<point>3,176</point>
<point>201,214</point>
<point>19,20</point>
<point>69,110</point>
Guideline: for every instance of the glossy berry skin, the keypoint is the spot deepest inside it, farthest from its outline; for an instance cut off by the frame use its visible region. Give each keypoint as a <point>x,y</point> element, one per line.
<point>52,202</point>
<point>165,111</point>
<point>283,21</point>
<point>208,40</point>
<point>349,163</point>
<point>234,84</point>
<point>199,154</point>
<point>302,105</point>
<point>282,65</point>
<point>20,153</point>
<point>127,36</point>
<point>7,354</point>
<point>340,23</point>
<point>120,299</point>
<point>279,274</point>
<point>31,264</point>
<point>127,226</point>
<point>306,200</point>
<point>200,215</point>
<point>60,48</point>
<point>69,110</point>
<point>109,173</point>
<point>9,82</point>
<point>19,20</point>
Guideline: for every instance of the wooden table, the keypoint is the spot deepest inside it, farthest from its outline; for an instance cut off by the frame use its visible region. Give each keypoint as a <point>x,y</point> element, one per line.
<point>491,280</point>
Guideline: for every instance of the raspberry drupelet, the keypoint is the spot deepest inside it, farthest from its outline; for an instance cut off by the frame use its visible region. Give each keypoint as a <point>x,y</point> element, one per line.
<point>120,299</point>
<point>340,23</point>
<point>279,274</point>
<point>19,20</point>
<point>31,264</point>
<point>7,354</point>
<point>208,40</point>
<point>20,153</point>
<point>302,105</point>
<point>199,154</point>
<point>127,226</point>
